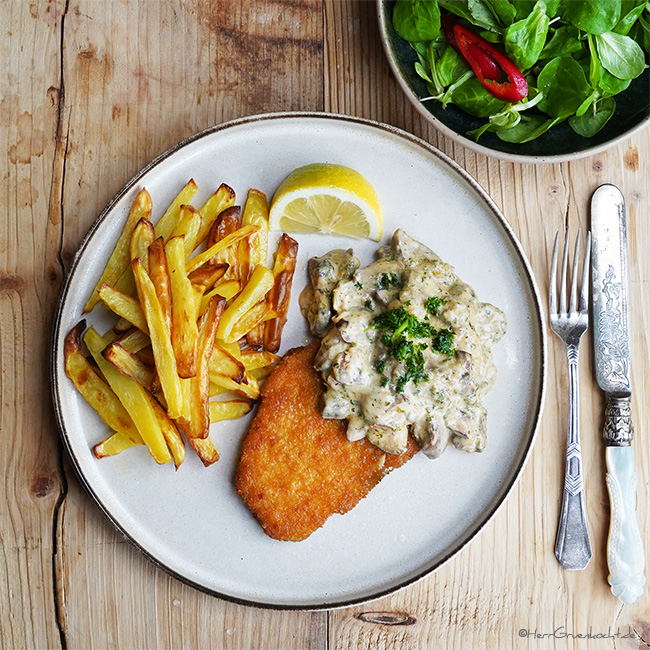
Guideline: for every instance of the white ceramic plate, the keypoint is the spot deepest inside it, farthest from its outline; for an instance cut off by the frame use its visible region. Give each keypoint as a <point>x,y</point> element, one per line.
<point>191,522</point>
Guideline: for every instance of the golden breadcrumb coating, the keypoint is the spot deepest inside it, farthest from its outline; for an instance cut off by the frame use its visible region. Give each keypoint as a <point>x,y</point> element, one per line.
<point>296,467</point>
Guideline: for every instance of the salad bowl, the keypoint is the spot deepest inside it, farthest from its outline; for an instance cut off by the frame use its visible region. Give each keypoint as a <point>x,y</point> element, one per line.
<point>557,144</point>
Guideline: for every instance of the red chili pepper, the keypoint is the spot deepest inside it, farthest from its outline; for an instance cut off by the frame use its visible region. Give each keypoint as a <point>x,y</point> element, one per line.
<point>487,62</point>
<point>489,66</point>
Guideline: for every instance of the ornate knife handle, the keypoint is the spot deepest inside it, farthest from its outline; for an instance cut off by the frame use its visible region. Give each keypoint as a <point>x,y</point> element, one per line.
<point>624,546</point>
<point>572,545</point>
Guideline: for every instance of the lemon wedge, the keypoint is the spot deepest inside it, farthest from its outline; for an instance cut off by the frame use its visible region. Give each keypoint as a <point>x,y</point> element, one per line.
<point>327,198</point>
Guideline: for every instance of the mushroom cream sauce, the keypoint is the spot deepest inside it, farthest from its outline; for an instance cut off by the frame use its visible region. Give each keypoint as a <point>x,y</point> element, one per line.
<point>406,347</point>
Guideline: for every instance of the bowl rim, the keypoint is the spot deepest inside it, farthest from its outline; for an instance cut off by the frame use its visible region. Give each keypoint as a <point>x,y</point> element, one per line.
<point>475,146</point>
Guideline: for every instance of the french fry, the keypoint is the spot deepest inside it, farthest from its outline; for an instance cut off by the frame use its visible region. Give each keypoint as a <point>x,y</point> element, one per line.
<point>141,239</point>
<point>231,240</point>
<point>119,260</point>
<point>170,433</point>
<point>94,389</point>
<point>184,323</point>
<point>221,200</point>
<point>226,242</point>
<point>280,295</point>
<point>228,222</point>
<point>159,274</point>
<point>218,390</point>
<point>111,335</point>
<point>255,316</point>
<point>126,283</point>
<point>134,340</point>
<point>255,335</point>
<point>262,373</point>
<point>229,410</point>
<point>134,398</point>
<point>254,250</point>
<point>258,286</point>
<point>156,391</point>
<point>161,343</point>
<point>226,290</point>
<point>125,306</point>
<point>128,364</point>
<point>197,424</point>
<point>198,291</point>
<point>188,227</point>
<point>122,325</point>
<point>184,310</point>
<point>146,356</point>
<point>113,445</point>
<point>224,364</point>
<point>248,387</point>
<point>233,348</point>
<point>167,223</point>
<point>208,274</point>
<point>254,359</point>
<point>205,450</point>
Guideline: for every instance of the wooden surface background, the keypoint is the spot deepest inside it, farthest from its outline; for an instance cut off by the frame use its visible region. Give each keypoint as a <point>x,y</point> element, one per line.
<point>90,92</point>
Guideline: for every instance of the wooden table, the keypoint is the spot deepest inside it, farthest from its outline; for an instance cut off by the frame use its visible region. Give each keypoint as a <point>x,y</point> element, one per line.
<point>91,91</point>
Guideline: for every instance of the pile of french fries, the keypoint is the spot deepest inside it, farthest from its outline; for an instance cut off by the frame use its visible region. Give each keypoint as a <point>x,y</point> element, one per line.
<point>198,315</point>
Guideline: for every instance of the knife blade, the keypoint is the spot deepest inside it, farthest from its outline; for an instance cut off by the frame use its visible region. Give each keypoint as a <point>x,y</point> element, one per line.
<point>611,338</point>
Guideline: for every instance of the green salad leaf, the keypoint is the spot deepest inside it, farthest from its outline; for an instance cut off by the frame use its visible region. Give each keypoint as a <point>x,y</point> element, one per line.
<point>564,85</point>
<point>475,100</point>
<point>529,128</point>
<point>503,10</point>
<point>576,55</point>
<point>611,85</point>
<point>630,12</point>
<point>593,16</point>
<point>620,55</point>
<point>593,120</point>
<point>458,8</point>
<point>643,32</point>
<point>525,39</point>
<point>563,40</point>
<point>482,15</point>
<point>417,20</point>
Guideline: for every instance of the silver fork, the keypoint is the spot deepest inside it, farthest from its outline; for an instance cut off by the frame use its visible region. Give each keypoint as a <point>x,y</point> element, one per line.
<point>572,546</point>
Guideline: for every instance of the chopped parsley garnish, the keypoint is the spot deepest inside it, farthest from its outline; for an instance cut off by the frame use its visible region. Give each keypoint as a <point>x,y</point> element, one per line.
<point>384,382</point>
<point>368,305</point>
<point>400,331</point>
<point>358,285</point>
<point>380,366</point>
<point>387,280</point>
<point>444,342</point>
<point>432,305</point>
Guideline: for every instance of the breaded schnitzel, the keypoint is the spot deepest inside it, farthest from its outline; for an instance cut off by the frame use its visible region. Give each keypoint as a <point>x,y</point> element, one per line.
<point>298,468</point>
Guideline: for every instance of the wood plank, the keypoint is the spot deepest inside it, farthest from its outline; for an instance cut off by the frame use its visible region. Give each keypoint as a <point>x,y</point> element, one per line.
<point>509,579</point>
<point>132,93</point>
<point>29,279</point>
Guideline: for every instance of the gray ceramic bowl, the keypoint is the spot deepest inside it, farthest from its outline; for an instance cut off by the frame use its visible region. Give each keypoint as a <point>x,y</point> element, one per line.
<point>559,144</point>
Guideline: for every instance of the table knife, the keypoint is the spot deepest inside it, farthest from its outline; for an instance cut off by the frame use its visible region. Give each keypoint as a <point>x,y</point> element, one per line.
<point>612,364</point>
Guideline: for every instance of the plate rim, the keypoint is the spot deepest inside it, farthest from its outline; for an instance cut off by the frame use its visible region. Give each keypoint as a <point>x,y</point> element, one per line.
<point>468,142</point>
<point>54,356</point>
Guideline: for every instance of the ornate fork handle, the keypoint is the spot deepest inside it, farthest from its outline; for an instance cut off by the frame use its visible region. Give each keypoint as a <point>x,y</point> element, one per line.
<point>572,545</point>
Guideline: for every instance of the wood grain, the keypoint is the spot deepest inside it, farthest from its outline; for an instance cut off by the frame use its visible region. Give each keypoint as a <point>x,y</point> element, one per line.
<point>29,277</point>
<point>90,93</point>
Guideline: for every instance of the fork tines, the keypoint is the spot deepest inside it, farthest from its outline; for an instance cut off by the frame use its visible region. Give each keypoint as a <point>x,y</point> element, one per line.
<point>563,286</point>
